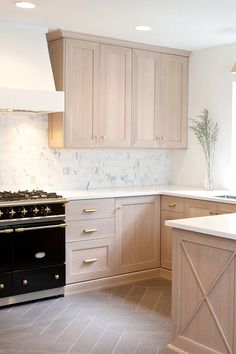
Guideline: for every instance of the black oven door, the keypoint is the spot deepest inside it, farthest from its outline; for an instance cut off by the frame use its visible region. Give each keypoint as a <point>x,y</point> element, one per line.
<point>6,249</point>
<point>39,245</point>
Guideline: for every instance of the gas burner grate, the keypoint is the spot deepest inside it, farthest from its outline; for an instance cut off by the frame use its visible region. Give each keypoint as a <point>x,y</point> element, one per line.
<point>6,196</point>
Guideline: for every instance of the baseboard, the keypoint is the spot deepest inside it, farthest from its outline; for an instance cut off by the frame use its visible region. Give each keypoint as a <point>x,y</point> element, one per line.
<point>112,281</point>
<point>165,273</point>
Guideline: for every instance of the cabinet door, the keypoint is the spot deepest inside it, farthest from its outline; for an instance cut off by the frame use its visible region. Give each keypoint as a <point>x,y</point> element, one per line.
<point>174,100</point>
<point>225,208</point>
<point>115,127</point>
<point>166,238</point>
<point>138,233</point>
<point>196,207</point>
<point>82,93</point>
<point>145,98</point>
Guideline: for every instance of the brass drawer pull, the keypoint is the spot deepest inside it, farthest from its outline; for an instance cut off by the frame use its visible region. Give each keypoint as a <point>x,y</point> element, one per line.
<point>91,260</point>
<point>172,205</point>
<point>89,231</point>
<point>212,212</point>
<point>2,286</point>
<point>57,276</point>
<point>90,210</point>
<point>24,281</point>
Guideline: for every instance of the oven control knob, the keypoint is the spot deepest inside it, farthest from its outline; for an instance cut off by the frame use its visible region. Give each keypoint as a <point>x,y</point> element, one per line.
<point>12,213</point>
<point>24,211</point>
<point>47,210</point>
<point>1,213</point>
<point>35,211</point>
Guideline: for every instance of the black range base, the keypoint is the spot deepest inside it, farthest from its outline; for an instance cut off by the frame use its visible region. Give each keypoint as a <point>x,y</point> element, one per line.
<point>32,246</point>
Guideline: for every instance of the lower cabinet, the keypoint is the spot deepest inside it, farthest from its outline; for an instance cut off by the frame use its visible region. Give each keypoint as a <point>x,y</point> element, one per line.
<point>137,233</point>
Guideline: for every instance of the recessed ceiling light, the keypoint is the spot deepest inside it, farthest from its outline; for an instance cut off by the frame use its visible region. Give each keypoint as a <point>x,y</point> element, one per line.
<point>142,28</point>
<point>25,4</point>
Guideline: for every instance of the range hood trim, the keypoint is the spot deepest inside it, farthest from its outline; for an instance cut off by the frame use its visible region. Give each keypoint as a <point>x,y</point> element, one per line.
<point>30,101</point>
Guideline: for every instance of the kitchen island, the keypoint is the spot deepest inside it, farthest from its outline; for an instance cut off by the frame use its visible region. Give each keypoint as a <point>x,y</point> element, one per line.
<point>204,285</point>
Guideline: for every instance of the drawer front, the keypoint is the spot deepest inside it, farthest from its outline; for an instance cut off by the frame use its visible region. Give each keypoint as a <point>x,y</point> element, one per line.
<point>87,260</point>
<point>90,209</point>
<point>90,229</point>
<point>27,281</point>
<point>172,203</point>
<point>5,284</point>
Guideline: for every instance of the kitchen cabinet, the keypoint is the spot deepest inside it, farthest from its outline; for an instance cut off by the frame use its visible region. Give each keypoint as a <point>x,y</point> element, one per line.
<point>171,208</point>
<point>224,208</point>
<point>160,95</point>
<point>137,233</point>
<point>97,73</point>
<point>90,252</point>
<point>76,68</point>
<point>197,207</point>
<point>115,117</point>
<point>97,83</point>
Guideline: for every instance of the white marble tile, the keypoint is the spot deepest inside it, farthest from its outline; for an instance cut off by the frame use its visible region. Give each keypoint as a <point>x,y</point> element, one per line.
<point>27,162</point>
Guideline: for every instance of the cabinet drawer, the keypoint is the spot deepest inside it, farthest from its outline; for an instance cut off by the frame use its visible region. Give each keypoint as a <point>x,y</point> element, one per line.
<point>90,209</point>
<point>5,284</point>
<point>170,203</point>
<point>90,229</point>
<point>225,208</point>
<point>27,281</point>
<point>88,260</point>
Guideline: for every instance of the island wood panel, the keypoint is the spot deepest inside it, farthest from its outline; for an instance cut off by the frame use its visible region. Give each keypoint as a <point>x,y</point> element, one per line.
<point>137,233</point>
<point>115,119</point>
<point>203,294</point>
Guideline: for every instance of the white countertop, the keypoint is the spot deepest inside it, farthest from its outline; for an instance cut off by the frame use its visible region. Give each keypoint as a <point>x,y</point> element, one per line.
<point>217,225</point>
<point>178,191</point>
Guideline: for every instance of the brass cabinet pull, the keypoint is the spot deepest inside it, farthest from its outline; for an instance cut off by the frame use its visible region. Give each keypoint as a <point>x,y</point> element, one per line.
<point>56,276</point>
<point>172,205</point>
<point>92,210</point>
<point>89,231</point>
<point>212,212</point>
<point>24,281</point>
<point>2,286</point>
<point>91,260</point>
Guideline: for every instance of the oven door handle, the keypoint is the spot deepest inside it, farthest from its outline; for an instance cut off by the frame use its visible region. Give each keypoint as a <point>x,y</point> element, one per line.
<point>22,229</point>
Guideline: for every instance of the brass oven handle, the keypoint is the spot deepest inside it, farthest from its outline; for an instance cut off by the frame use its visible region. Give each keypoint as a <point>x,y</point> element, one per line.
<point>91,260</point>
<point>172,205</point>
<point>6,231</point>
<point>22,229</point>
<point>90,210</point>
<point>89,231</point>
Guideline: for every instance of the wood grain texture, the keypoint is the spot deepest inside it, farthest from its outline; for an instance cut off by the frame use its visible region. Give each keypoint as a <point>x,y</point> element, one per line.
<point>90,209</point>
<point>197,207</point>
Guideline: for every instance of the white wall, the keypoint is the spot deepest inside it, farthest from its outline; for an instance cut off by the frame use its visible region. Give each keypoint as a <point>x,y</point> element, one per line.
<point>26,162</point>
<point>210,87</point>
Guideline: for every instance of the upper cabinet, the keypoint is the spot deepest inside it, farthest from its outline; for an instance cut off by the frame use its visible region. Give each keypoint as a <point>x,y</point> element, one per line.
<point>105,80</point>
<point>160,92</point>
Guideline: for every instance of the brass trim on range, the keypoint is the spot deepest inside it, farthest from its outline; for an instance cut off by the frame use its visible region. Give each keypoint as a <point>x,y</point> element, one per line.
<point>21,229</point>
<point>6,231</point>
<point>91,260</point>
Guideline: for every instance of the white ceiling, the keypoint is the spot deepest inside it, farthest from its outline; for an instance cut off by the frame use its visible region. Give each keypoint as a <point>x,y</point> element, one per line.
<point>186,24</point>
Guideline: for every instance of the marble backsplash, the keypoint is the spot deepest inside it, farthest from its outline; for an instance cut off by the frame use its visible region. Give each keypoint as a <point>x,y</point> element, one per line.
<point>26,162</point>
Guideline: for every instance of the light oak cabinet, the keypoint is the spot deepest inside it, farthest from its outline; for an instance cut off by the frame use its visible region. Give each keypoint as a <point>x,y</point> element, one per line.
<point>90,244</point>
<point>197,207</point>
<point>97,83</point>
<point>160,94</point>
<point>115,117</point>
<point>137,233</point>
<point>104,79</point>
<point>171,208</point>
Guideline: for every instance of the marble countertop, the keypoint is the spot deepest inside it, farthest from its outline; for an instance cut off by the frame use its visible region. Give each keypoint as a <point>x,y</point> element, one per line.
<point>178,191</point>
<point>218,225</point>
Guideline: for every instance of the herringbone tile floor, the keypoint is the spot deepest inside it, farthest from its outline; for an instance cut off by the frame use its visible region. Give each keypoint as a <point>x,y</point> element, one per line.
<point>121,320</point>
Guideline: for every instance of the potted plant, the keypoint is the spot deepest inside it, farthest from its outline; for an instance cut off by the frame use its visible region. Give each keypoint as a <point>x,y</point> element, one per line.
<point>206,132</point>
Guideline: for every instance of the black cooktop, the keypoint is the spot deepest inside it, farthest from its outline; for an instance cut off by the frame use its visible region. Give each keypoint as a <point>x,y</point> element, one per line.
<point>7,196</point>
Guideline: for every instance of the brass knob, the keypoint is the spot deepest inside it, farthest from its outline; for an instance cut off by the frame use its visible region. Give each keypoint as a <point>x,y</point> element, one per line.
<point>102,137</point>
<point>212,212</point>
<point>35,210</point>
<point>1,213</point>
<point>56,276</point>
<point>2,286</point>
<point>24,212</point>
<point>47,210</point>
<point>24,281</point>
<point>12,212</point>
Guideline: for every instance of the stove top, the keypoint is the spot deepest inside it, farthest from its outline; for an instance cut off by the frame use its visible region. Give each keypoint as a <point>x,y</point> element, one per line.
<point>36,195</point>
